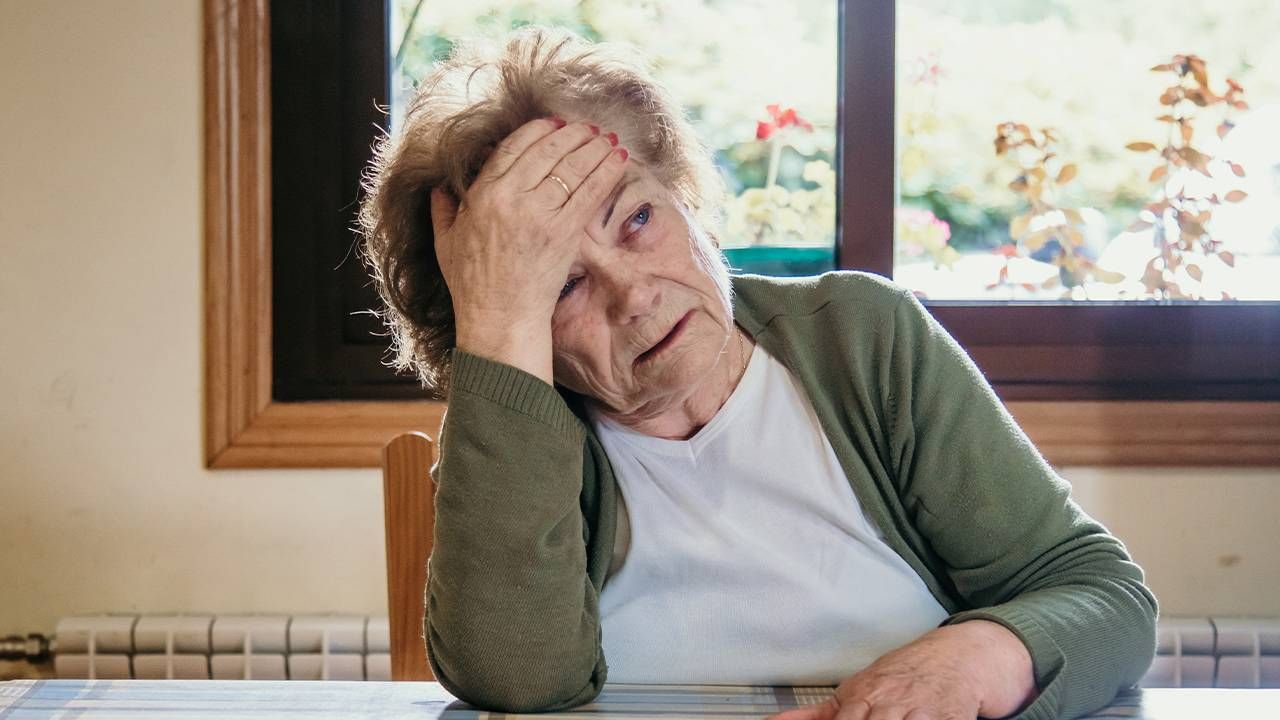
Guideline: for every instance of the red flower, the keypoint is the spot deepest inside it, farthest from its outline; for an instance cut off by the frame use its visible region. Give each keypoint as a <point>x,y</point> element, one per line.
<point>925,70</point>
<point>781,119</point>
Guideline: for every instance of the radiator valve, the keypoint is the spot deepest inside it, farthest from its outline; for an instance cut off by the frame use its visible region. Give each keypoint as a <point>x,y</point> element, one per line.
<point>33,648</point>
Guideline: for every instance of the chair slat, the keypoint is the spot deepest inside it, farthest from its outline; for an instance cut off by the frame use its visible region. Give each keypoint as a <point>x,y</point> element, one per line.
<point>408,497</point>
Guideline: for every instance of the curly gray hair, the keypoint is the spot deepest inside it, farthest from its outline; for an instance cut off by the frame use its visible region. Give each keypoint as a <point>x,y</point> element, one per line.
<point>463,108</point>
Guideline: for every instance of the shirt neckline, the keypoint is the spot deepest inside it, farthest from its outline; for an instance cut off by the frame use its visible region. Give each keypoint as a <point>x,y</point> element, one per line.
<point>690,448</point>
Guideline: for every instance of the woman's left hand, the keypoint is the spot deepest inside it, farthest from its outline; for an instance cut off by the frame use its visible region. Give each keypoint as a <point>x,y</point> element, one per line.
<point>935,677</point>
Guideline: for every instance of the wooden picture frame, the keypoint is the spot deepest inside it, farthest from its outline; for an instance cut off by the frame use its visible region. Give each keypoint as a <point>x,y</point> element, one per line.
<point>245,428</point>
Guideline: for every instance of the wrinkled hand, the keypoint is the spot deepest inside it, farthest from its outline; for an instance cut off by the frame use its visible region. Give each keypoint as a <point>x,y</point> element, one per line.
<point>942,675</point>
<point>505,248</point>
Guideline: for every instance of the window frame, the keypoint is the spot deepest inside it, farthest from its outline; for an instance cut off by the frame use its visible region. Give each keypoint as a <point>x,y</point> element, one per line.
<point>246,427</point>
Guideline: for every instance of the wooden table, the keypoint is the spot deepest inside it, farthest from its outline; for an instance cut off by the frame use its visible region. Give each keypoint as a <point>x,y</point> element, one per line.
<point>303,699</point>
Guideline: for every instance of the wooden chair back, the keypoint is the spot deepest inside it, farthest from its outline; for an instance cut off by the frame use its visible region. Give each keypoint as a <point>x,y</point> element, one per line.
<point>408,501</point>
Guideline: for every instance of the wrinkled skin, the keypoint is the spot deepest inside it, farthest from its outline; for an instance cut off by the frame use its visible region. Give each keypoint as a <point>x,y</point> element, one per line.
<point>578,288</point>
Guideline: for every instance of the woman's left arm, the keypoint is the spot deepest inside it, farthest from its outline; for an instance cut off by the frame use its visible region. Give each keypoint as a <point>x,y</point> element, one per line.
<point>1059,617</point>
<point>1016,547</point>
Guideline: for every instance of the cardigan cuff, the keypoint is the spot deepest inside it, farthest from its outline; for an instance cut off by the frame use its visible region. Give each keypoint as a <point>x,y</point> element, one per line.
<point>513,388</point>
<point>1047,659</point>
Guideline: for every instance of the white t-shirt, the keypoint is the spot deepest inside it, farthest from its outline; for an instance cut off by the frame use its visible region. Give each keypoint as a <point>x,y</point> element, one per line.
<point>745,557</point>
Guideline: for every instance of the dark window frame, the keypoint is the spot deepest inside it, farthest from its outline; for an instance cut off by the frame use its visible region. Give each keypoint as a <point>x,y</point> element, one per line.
<point>329,92</point>
<point>325,122</point>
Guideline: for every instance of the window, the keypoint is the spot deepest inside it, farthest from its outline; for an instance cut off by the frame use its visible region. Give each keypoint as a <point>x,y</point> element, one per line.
<point>329,67</point>
<point>769,116</point>
<point>1029,348</point>
<point>943,227</point>
<point>1159,174</point>
<point>328,88</point>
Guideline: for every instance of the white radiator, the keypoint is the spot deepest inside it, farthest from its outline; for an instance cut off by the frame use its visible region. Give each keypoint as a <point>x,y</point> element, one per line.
<point>1192,651</point>
<point>224,647</point>
<point>1222,652</point>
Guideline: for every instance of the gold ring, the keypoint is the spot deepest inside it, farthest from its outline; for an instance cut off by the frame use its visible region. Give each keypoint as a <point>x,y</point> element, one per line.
<point>566,187</point>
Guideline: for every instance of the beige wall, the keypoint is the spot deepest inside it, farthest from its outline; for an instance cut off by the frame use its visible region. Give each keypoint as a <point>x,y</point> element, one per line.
<point>104,504</point>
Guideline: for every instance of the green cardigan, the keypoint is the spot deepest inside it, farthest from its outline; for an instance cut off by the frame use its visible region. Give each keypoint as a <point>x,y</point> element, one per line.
<point>526,507</point>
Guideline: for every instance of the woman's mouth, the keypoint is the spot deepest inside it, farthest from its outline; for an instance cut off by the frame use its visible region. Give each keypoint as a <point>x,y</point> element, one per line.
<point>665,342</point>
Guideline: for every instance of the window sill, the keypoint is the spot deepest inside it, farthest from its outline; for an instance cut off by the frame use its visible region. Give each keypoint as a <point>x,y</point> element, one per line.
<point>351,434</point>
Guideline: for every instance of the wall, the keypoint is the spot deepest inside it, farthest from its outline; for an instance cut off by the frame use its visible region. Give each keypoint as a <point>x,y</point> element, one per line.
<point>104,503</point>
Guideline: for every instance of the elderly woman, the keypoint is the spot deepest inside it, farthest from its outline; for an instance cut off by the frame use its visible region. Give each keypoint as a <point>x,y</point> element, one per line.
<point>653,472</point>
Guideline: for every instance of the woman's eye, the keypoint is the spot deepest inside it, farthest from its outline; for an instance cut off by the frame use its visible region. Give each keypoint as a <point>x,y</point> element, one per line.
<point>643,215</point>
<point>568,287</point>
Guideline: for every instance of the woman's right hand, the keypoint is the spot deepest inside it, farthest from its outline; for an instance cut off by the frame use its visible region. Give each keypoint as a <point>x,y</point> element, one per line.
<point>505,250</point>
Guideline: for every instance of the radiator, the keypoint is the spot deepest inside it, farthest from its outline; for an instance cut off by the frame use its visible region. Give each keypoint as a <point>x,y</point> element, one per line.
<point>1207,652</point>
<point>1221,652</point>
<point>224,647</point>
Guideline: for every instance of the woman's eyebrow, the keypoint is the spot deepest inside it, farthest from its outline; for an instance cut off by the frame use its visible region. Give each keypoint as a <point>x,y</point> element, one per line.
<point>613,199</point>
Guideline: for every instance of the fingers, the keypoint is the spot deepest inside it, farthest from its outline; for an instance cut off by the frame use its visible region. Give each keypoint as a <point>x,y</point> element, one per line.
<point>513,146</point>
<point>572,170</point>
<point>585,202</point>
<point>540,158</point>
<point>859,709</point>
<point>820,711</point>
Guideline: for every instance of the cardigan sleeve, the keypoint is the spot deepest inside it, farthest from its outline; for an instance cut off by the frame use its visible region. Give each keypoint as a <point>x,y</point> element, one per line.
<point>512,620</point>
<point>1018,549</point>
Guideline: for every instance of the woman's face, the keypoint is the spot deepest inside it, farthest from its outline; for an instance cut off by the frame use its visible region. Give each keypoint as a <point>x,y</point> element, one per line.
<point>645,312</point>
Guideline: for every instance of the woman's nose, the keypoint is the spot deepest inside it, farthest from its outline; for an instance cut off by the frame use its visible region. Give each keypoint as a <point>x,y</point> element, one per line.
<point>634,300</point>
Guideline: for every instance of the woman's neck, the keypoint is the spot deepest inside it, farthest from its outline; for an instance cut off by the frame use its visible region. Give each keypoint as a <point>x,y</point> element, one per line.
<point>683,420</point>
